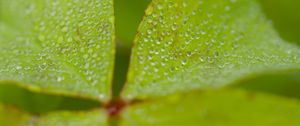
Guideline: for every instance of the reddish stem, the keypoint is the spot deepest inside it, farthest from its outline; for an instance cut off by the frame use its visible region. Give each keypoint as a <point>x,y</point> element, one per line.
<point>114,107</point>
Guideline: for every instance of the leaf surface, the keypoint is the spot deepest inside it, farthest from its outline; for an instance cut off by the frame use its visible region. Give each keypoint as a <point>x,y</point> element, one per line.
<point>38,102</point>
<point>13,117</point>
<point>183,45</point>
<point>61,46</point>
<point>83,118</point>
<point>10,116</point>
<point>214,108</point>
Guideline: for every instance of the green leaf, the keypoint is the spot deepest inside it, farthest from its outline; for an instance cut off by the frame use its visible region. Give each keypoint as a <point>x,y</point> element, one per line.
<point>37,102</point>
<point>12,117</point>
<point>84,118</point>
<point>183,45</point>
<point>215,108</point>
<point>59,46</point>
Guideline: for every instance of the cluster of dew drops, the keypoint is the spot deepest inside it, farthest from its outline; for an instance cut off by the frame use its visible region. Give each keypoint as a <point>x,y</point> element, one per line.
<point>72,43</point>
<point>177,36</point>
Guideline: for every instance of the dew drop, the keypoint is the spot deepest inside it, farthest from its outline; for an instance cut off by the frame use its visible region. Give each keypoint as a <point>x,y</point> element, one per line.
<point>59,79</point>
<point>149,31</point>
<point>145,40</point>
<point>69,39</point>
<point>158,42</point>
<point>43,66</point>
<point>184,62</point>
<point>189,54</point>
<point>159,6</point>
<point>18,67</point>
<point>149,10</point>
<point>174,27</point>
<point>156,70</point>
<point>210,60</point>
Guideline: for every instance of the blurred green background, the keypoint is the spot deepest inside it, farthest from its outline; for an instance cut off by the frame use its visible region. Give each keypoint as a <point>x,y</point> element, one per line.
<point>285,15</point>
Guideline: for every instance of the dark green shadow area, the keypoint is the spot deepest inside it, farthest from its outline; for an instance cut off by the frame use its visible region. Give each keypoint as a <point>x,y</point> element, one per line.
<point>285,15</point>
<point>284,83</point>
<point>39,103</point>
<point>120,71</point>
<point>128,15</point>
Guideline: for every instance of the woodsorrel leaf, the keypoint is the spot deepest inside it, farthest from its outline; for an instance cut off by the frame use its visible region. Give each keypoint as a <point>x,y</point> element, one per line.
<point>83,118</point>
<point>214,108</point>
<point>39,102</point>
<point>61,46</point>
<point>184,45</point>
<point>10,116</point>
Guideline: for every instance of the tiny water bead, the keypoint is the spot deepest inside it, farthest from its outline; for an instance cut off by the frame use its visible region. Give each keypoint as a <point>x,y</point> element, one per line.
<point>183,62</point>
<point>189,54</point>
<point>60,79</point>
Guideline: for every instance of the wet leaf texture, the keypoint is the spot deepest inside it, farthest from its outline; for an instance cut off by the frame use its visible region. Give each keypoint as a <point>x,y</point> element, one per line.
<point>62,46</point>
<point>184,45</point>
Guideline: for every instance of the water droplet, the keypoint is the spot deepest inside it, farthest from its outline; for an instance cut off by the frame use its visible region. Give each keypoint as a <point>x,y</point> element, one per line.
<point>59,79</point>
<point>156,70</point>
<point>69,39</point>
<point>149,10</point>
<point>158,42</point>
<point>189,54</point>
<point>149,31</point>
<point>184,62</point>
<point>159,6</point>
<point>210,60</point>
<point>145,40</point>
<point>43,66</point>
<point>18,67</point>
<point>174,27</point>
